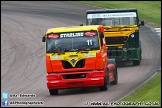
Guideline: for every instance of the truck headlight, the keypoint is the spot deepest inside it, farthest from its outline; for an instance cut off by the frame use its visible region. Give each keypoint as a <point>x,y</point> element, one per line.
<point>132,35</point>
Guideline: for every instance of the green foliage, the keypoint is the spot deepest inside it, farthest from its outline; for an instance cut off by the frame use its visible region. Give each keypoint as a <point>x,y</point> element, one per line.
<point>149,92</point>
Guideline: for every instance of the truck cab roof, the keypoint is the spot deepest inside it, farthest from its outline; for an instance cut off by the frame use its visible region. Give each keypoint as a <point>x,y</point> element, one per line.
<point>112,10</point>
<point>73,28</point>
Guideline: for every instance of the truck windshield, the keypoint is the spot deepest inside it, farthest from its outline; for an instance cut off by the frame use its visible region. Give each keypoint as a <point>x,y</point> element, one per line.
<point>72,41</point>
<point>112,19</point>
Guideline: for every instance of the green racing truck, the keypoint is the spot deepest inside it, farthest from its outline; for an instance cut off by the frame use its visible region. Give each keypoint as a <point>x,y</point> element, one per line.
<point>121,30</point>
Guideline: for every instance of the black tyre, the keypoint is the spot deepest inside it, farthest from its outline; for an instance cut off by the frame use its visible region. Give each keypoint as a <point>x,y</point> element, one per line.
<point>106,82</point>
<point>136,62</point>
<point>115,82</point>
<point>53,91</point>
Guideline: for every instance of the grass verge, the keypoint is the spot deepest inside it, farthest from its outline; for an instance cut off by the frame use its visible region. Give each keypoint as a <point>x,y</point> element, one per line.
<point>148,94</point>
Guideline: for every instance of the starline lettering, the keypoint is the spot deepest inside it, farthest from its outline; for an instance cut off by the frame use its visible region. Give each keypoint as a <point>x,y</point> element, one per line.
<point>66,35</point>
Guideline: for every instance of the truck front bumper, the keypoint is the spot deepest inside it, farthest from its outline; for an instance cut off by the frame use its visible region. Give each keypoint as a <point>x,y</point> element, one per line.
<point>75,79</point>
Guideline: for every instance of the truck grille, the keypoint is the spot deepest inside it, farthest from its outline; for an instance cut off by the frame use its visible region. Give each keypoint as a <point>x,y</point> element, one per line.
<point>116,40</point>
<point>114,51</point>
<point>79,64</point>
<point>73,76</point>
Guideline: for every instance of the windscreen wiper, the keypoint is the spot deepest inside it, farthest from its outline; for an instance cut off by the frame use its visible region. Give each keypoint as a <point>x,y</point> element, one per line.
<point>58,52</point>
<point>82,50</point>
<point>86,50</point>
<point>92,48</point>
<point>129,26</point>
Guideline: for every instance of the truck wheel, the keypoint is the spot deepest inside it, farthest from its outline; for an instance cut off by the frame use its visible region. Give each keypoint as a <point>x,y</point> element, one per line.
<point>53,91</point>
<point>115,82</point>
<point>106,82</point>
<point>136,62</point>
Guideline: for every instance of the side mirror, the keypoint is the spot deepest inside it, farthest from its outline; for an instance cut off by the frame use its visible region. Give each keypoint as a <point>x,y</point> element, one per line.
<point>142,23</point>
<point>43,39</point>
<point>81,24</point>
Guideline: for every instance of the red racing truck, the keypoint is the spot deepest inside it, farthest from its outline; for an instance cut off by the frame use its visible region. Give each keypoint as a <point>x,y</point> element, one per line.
<point>76,57</point>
